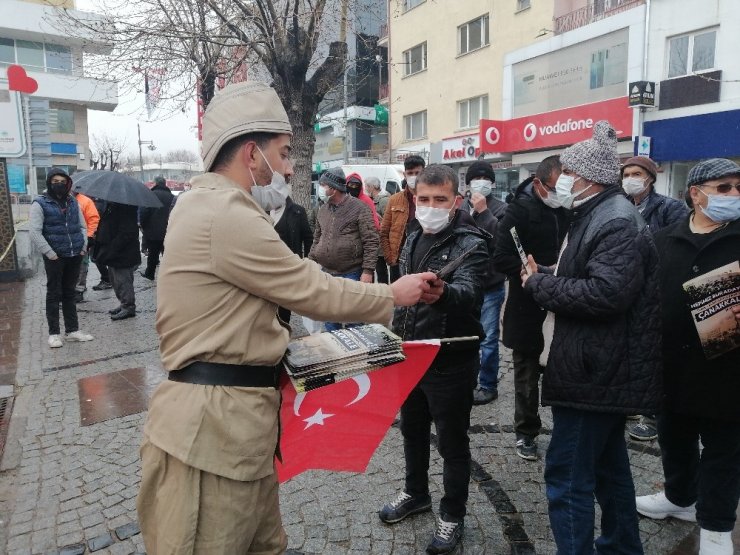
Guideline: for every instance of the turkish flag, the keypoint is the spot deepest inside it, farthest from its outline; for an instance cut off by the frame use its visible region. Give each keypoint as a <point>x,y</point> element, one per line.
<point>339,426</point>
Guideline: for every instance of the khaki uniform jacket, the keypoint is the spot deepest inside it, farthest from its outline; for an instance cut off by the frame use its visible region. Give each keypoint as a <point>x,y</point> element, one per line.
<point>393,226</point>
<point>221,280</point>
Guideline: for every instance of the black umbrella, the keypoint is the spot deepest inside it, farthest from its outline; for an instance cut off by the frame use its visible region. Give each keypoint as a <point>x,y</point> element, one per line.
<point>115,187</point>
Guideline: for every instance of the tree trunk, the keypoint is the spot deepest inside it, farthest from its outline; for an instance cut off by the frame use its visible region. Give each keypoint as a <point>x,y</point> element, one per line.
<point>303,142</point>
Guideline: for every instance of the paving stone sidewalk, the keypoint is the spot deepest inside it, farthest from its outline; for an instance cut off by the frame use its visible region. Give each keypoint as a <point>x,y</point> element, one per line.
<point>71,488</point>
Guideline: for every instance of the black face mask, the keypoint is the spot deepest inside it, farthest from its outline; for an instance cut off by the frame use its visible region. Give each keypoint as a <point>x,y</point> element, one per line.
<point>353,190</point>
<point>58,190</point>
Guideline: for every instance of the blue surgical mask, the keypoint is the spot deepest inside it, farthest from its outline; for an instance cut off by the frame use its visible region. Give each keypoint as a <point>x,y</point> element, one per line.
<point>722,208</point>
<point>482,186</point>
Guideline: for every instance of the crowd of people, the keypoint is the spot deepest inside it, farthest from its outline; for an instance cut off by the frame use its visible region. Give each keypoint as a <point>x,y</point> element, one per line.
<point>596,313</point>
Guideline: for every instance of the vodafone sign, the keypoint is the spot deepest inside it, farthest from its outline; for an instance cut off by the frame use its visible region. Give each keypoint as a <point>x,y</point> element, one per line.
<point>551,129</point>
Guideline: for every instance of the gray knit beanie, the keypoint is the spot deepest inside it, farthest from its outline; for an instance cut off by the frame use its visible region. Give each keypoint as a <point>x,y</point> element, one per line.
<point>595,159</point>
<point>335,179</point>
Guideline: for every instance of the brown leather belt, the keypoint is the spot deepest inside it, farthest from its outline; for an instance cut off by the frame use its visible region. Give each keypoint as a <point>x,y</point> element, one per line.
<point>230,375</point>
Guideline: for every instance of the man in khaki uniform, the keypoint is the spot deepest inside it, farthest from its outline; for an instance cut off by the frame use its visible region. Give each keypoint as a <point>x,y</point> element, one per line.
<point>208,481</point>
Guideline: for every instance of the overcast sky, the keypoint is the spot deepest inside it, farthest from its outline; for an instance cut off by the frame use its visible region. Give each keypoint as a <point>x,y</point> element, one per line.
<point>169,132</point>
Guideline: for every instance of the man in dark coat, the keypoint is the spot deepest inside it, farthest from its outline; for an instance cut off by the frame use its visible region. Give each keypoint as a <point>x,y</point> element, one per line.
<point>291,224</point>
<point>541,228</point>
<point>117,246</point>
<point>702,392</point>
<point>603,360</point>
<point>486,210</point>
<point>153,223</point>
<point>444,395</point>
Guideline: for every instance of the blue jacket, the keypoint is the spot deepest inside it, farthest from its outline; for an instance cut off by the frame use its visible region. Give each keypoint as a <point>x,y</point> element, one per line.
<point>660,211</point>
<point>62,229</point>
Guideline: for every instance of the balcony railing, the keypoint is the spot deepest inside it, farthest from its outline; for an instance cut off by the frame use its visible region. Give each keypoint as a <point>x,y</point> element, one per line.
<point>594,11</point>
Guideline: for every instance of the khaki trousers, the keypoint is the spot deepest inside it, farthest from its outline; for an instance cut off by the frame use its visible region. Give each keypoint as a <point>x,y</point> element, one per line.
<point>186,511</point>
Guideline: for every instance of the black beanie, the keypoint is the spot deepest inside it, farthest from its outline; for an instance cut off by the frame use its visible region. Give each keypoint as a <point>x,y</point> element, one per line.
<point>480,169</point>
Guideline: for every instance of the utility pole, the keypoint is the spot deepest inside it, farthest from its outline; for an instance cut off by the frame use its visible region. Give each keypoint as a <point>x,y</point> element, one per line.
<point>141,157</point>
<point>32,181</point>
<point>346,122</point>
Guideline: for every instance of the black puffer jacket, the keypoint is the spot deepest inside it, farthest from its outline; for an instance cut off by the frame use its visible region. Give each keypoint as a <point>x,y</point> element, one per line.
<point>293,228</point>
<point>606,349</point>
<point>457,312</point>
<point>154,220</point>
<point>117,243</point>
<point>541,231</point>
<point>693,384</point>
<point>488,221</point>
<point>660,211</point>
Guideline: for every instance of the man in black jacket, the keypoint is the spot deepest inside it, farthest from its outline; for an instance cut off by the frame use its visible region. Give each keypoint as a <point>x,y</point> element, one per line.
<point>153,223</point>
<point>291,224</point>
<point>440,235</point>
<point>702,389</point>
<point>486,210</point>
<point>602,350</point>
<point>541,228</point>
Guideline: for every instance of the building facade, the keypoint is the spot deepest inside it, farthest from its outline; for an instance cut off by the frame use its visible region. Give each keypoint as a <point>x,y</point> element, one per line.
<point>35,36</point>
<point>445,75</point>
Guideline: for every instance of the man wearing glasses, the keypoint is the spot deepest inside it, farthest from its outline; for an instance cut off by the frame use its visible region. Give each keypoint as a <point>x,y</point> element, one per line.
<point>701,393</point>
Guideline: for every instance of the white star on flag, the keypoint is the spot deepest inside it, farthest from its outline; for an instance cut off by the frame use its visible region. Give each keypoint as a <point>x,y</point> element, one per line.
<point>317,418</point>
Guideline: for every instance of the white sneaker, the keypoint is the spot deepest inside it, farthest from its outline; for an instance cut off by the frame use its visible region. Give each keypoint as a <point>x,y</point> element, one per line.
<point>715,543</point>
<point>658,506</point>
<point>78,336</point>
<point>55,341</point>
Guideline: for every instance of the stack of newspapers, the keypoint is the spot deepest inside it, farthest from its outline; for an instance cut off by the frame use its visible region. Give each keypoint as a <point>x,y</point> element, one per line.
<point>325,358</point>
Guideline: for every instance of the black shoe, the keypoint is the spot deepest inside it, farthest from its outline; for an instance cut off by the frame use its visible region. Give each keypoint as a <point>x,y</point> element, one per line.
<point>144,275</point>
<point>115,310</point>
<point>526,448</point>
<point>446,537</point>
<point>102,286</point>
<point>123,314</point>
<point>79,297</point>
<point>403,506</point>
<point>483,396</point>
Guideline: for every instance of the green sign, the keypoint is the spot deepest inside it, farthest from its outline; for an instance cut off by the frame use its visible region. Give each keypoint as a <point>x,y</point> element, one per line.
<point>381,114</point>
<point>317,167</point>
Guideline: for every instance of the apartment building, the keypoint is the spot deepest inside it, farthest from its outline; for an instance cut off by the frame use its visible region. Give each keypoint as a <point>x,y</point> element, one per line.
<point>445,69</point>
<point>51,50</point>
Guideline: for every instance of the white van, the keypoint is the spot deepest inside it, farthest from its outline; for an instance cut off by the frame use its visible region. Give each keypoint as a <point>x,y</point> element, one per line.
<point>390,175</point>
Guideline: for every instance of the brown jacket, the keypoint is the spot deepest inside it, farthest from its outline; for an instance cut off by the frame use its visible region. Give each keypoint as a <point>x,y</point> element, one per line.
<point>393,227</point>
<point>220,283</point>
<point>345,239</point>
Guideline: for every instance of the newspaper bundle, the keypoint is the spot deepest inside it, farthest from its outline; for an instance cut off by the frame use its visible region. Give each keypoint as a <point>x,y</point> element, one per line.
<point>329,357</point>
<point>711,297</point>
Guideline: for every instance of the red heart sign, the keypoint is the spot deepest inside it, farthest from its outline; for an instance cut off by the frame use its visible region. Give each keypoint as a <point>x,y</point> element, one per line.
<point>19,81</point>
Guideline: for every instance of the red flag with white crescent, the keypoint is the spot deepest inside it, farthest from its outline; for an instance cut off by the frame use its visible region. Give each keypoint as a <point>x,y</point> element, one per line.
<point>339,426</point>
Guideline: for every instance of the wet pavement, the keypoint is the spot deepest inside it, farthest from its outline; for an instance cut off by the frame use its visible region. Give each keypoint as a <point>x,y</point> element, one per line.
<point>70,472</point>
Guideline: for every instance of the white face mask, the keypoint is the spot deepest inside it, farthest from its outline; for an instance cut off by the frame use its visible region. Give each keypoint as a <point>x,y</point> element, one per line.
<point>551,201</point>
<point>411,182</point>
<point>564,191</point>
<point>634,186</point>
<point>273,195</point>
<point>433,220</point>
<point>323,196</point>
<point>482,186</point>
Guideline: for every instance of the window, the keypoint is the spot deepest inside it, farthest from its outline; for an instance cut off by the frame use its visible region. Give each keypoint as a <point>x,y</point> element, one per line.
<point>691,53</point>
<point>61,121</point>
<point>58,58</point>
<point>522,5</point>
<point>471,111</point>
<point>30,54</point>
<point>415,59</point>
<point>408,4</point>
<point>473,35</point>
<point>7,52</point>
<point>415,125</point>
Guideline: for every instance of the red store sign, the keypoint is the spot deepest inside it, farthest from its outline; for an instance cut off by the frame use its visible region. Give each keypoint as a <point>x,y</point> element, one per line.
<point>557,128</point>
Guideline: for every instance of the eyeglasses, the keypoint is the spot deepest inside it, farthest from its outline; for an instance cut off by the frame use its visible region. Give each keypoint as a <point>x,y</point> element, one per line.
<point>724,188</point>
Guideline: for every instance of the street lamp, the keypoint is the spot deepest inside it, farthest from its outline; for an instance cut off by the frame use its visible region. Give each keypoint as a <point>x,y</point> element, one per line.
<point>150,146</point>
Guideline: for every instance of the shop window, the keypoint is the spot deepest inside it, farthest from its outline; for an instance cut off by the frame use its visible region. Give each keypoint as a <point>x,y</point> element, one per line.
<point>30,54</point>
<point>471,111</point>
<point>408,4</point>
<point>415,126</point>
<point>691,53</point>
<point>473,35</point>
<point>415,59</point>
<point>61,121</point>
<point>58,58</point>
<point>608,66</point>
<point>7,52</point>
